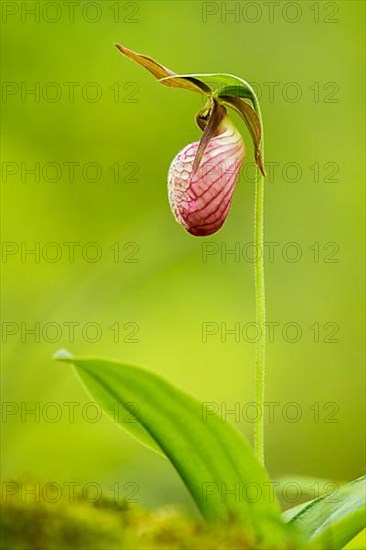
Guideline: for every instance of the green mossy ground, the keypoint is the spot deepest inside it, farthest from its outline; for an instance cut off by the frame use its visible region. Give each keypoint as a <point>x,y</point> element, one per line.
<point>105,525</point>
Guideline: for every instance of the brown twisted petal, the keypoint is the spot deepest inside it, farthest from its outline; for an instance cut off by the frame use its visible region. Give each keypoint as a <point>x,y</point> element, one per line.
<point>160,72</point>
<point>200,200</point>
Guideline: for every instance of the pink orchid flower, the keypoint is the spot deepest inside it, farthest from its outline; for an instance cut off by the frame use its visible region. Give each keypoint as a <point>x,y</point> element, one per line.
<point>202,177</point>
<point>200,197</point>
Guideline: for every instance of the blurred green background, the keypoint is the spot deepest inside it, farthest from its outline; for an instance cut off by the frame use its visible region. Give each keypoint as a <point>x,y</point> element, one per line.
<point>168,291</point>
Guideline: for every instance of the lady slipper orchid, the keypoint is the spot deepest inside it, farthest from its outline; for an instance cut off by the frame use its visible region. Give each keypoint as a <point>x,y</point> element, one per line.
<point>202,177</point>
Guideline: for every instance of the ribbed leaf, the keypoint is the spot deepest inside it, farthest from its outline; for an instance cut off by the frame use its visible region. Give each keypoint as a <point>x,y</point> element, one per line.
<point>306,485</point>
<point>211,456</point>
<point>330,522</point>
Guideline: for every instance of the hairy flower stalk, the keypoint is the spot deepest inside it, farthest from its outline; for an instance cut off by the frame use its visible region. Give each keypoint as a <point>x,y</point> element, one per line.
<point>200,198</point>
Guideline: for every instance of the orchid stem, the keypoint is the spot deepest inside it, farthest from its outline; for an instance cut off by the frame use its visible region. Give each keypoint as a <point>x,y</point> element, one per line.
<point>260,352</point>
<point>260,302</point>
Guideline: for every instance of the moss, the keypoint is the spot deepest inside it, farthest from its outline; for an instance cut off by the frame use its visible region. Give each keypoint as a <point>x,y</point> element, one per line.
<point>106,525</point>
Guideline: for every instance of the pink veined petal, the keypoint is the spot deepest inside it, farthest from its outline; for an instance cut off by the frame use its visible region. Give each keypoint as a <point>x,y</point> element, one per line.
<point>200,201</point>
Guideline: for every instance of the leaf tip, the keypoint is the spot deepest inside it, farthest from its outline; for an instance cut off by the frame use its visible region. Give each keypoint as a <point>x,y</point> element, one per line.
<point>62,355</point>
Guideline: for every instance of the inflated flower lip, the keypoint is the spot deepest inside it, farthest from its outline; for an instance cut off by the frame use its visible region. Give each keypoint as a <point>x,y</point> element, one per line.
<point>202,177</point>
<point>201,185</point>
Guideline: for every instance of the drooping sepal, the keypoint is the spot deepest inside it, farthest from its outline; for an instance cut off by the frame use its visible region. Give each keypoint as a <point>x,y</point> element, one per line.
<point>253,124</point>
<point>224,88</point>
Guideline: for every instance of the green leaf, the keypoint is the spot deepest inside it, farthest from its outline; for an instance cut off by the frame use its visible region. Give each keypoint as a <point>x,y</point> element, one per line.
<point>358,543</point>
<point>211,457</point>
<point>330,522</point>
<point>121,412</point>
<point>307,485</point>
